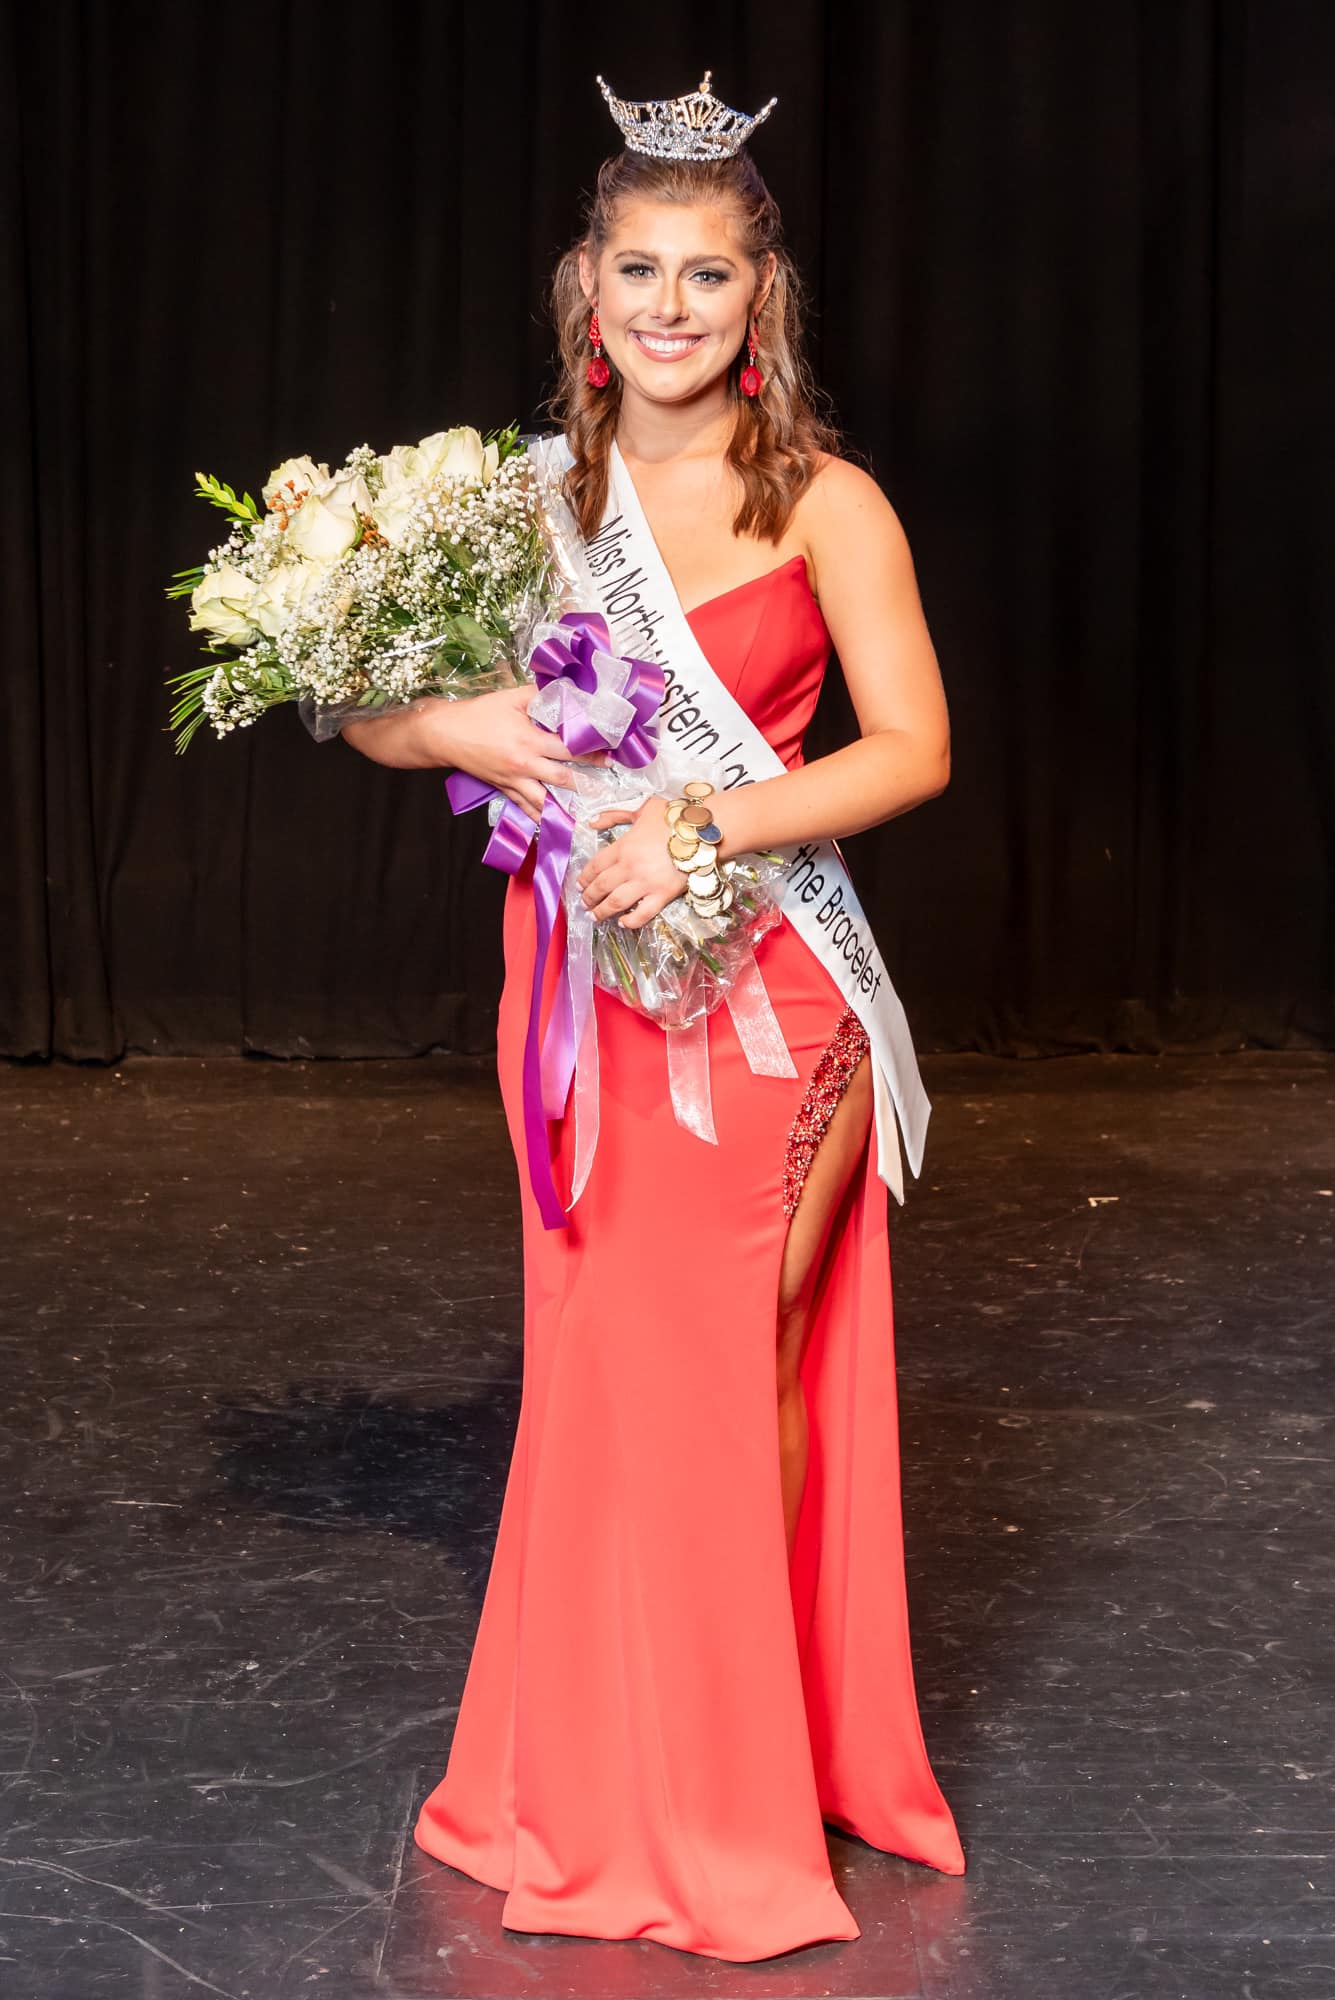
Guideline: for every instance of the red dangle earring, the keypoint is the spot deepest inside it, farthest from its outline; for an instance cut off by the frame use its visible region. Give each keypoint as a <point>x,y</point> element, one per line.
<point>752,379</point>
<point>598,370</point>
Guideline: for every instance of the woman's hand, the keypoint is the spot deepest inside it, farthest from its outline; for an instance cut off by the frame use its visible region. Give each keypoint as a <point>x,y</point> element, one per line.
<point>491,737</point>
<point>635,872</point>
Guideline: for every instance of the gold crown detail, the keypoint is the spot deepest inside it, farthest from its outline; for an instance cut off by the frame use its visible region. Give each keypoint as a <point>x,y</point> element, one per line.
<point>695,126</point>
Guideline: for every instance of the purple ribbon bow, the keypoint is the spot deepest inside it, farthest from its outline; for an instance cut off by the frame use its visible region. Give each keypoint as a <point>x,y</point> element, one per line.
<point>578,662</point>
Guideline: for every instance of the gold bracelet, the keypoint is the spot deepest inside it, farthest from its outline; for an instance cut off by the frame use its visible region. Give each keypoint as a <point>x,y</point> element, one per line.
<point>693,845</point>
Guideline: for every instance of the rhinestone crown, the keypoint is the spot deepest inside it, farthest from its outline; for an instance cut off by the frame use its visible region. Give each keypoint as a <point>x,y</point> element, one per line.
<point>695,126</point>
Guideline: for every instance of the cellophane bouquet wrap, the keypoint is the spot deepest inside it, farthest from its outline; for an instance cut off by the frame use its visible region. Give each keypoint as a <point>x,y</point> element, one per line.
<point>680,965</point>
<point>445,569</point>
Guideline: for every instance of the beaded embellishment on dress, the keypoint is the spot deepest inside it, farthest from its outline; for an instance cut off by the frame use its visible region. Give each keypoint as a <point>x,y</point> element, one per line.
<point>829,1080</point>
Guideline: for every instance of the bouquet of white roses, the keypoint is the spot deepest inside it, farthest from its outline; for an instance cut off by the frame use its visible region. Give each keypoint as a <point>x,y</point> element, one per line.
<point>419,572</point>
<point>447,568</point>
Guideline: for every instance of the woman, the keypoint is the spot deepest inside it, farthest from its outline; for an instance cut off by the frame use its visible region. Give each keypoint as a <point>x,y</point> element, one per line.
<point>693,1646</point>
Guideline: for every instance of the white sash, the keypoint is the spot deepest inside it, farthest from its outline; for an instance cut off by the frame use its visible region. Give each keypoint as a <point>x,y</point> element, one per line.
<point>636,596</point>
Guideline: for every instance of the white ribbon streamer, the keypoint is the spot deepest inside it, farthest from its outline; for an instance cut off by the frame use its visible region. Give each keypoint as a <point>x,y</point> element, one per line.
<point>688,1078</point>
<point>757,1024</point>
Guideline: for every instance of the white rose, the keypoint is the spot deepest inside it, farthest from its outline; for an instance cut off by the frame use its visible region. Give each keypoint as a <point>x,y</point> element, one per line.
<point>325,526</point>
<point>456,454</point>
<point>298,475</point>
<point>221,605</point>
<point>393,508</point>
<point>395,465</point>
<point>281,596</point>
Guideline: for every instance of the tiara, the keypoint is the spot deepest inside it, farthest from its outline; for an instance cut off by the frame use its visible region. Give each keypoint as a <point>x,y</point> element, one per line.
<point>695,126</point>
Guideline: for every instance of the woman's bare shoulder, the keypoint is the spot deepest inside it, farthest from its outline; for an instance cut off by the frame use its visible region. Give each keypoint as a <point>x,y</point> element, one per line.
<point>839,485</point>
<point>846,513</point>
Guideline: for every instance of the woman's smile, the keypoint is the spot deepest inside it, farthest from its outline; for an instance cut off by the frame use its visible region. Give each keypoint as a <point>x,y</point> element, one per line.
<point>666,346</point>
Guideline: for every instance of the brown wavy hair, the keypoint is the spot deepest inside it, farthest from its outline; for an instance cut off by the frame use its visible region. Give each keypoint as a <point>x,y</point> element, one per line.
<point>778,435</point>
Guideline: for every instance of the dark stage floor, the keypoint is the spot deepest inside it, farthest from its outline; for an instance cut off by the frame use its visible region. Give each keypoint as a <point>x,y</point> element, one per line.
<point>261,1376</point>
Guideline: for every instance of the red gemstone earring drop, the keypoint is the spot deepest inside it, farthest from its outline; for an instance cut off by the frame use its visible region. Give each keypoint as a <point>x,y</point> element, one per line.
<point>598,370</point>
<point>752,378</point>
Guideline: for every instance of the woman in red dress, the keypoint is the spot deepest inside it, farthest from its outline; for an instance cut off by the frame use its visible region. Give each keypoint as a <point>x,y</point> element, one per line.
<point>693,1648</point>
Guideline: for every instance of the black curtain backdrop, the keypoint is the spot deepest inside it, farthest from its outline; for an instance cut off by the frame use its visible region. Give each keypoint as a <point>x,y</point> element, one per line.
<point>1072,274</point>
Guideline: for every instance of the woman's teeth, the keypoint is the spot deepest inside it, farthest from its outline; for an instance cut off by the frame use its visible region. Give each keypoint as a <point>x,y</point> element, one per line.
<point>671,346</point>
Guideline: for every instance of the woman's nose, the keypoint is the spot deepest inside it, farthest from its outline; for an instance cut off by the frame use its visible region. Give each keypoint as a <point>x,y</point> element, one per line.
<point>669,302</point>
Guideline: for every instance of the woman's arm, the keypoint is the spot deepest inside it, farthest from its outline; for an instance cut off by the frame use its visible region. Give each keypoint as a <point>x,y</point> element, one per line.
<point>869,597</point>
<point>406,738</point>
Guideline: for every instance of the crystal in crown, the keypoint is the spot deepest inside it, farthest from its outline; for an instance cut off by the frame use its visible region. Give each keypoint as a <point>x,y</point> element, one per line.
<point>696,126</point>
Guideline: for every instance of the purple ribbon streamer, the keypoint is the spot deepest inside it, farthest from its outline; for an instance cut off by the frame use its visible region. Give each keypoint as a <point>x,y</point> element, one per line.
<point>578,655</point>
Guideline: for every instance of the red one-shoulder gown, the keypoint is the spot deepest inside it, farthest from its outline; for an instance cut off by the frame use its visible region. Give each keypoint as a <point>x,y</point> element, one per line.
<point>659,1713</point>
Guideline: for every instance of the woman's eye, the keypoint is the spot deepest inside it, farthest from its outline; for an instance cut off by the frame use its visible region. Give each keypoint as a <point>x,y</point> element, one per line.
<point>634,270</point>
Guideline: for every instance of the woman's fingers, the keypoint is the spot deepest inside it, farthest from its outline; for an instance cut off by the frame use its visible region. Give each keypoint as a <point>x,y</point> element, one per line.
<point>650,904</point>
<point>613,894</point>
<point>605,869</point>
<point>644,912</point>
<point>622,897</point>
<point>572,777</point>
<point>528,793</point>
<point>601,876</point>
<point>546,743</point>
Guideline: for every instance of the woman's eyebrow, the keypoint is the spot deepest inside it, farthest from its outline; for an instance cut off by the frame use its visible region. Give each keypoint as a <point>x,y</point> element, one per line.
<point>701,257</point>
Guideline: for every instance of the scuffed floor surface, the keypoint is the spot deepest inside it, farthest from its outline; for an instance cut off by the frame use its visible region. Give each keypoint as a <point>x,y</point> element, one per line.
<point>261,1372</point>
